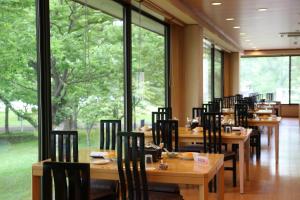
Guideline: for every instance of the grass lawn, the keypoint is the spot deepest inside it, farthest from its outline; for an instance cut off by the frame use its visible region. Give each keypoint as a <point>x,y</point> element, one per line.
<point>17,157</point>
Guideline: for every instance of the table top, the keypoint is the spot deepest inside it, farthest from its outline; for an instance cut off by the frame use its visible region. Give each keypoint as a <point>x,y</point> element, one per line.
<point>186,133</point>
<point>179,171</point>
<point>269,120</point>
<point>259,112</point>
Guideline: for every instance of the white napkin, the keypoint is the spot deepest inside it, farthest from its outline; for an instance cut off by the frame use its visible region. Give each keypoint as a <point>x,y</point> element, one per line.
<point>236,128</point>
<point>98,154</point>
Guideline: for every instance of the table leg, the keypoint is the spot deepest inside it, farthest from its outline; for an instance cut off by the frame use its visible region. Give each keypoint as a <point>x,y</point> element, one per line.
<point>242,165</point>
<point>203,190</point>
<point>269,134</point>
<point>36,183</point>
<point>276,143</point>
<point>247,158</point>
<point>220,182</point>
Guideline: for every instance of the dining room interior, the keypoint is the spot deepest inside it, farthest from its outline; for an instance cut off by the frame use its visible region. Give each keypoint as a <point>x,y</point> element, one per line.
<point>149,99</point>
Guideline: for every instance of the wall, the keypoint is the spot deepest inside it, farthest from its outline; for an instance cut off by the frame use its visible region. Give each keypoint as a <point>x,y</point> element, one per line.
<point>231,73</point>
<point>186,73</point>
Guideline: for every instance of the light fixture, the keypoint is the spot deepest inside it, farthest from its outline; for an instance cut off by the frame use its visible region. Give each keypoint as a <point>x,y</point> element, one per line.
<point>242,34</point>
<point>248,40</point>
<point>216,3</point>
<point>236,27</point>
<point>229,19</point>
<point>262,9</point>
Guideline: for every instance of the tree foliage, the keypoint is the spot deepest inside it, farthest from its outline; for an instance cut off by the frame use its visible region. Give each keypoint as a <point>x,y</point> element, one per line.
<point>87,74</point>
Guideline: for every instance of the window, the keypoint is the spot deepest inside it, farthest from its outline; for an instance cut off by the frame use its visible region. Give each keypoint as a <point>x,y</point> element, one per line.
<point>87,67</point>
<point>212,72</point>
<point>18,98</point>
<point>295,79</point>
<point>148,68</point>
<point>218,74</point>
<point>265,75</point>
<point>207,70</point>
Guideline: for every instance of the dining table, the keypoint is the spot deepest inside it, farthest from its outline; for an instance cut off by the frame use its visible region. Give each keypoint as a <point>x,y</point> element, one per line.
<point>271,123</point>
<point>188,136</point>
<point>179,171</point>
<point>229,111</point>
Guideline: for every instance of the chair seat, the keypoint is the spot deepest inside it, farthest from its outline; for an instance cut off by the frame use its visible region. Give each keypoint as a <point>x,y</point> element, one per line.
<point>164,196</point>
<point>192,148</point>
<point>164,187</point>
<point>101,194</point>
<point>103,184</point>
<point>229,155</point>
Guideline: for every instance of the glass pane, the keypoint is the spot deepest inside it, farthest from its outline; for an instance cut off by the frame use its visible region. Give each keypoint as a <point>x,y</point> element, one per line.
<point>87,67</point>
<point>295,79</point>
<point>218,74</point>
<point>265,75</point>
<point>148,68</point>
<point>18,98</point>
<point>206,72</point>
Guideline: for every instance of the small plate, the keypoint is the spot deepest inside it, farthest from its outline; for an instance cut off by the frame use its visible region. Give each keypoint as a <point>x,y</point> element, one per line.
<point>100,161</point>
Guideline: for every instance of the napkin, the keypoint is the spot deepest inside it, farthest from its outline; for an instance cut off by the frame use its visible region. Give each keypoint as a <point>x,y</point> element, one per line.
<point>98,154</point>
<point>236,128</point>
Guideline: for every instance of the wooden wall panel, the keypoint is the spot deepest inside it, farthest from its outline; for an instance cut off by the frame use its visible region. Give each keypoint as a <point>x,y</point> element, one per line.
<point>289,110</point>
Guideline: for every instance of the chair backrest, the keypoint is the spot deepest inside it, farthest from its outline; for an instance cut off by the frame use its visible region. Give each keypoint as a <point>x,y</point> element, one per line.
<point>166,130</point>
<point>198,112</point>
<point>269,96</point>
<point>212,139</point>
<point>212,106</point>
<point>241,115</point>
<point>250,102</point>
<point>157,116</point>
<point>65,143</point>
<point>167,110</point>
<point>108,133</point>
<point>238,97</point>
<point>219,101</point>
<point>70,181</point>
<point>132,172</point>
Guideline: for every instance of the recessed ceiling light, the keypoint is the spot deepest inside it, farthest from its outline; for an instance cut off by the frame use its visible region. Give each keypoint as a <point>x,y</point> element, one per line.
<point>242,33</point>
<point>236,27</point>
<point>262,9</point>
<point>247,40</point>
<point>216,3</point>
<point>229,19</point>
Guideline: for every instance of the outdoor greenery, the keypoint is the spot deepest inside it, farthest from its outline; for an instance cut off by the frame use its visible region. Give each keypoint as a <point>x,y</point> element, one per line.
<point>87,79</point>
<point>271,74</point>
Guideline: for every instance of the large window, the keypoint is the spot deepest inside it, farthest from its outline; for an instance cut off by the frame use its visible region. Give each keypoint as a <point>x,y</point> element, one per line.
<point>148,68</point>
<point>218,86</point>
<point>18,98</point>
<point>212,72</point>
<point>295,79</point>
<point>207,70</point>
<point>87,68</point>
<point>265,75</point>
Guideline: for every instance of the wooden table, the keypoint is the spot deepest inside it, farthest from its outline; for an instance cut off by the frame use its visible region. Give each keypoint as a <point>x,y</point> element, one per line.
<point>243,140</point>
<point>179,172</point>
<point>258,112</point>
<point>270,123</point>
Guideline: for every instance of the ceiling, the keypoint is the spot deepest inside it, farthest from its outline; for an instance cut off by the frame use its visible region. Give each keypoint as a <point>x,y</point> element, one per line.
<point>261,28</point>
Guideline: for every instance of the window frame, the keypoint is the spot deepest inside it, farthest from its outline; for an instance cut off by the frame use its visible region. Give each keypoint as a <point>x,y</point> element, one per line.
<point>44,69</point>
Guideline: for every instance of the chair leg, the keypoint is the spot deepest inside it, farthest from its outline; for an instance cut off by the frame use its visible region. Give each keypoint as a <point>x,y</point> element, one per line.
<point>234,171</point>
<point>258,148</point>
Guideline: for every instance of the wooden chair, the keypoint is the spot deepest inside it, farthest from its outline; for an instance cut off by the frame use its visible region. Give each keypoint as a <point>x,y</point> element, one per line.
<point>157,116</point>
<point>109,130</point>
<point>132,171</point>
<point>212,140</point>
<point>70,181</point>
<point>198,112</point>
<point>168,110</point>
<point>166,130</point>
<point>241,119</point>
<point>65,144</point>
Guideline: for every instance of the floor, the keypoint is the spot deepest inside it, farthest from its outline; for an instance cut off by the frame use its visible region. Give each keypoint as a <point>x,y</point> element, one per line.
<point>268,181</point>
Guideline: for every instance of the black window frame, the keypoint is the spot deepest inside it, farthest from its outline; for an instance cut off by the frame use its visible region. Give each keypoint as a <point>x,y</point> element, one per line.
<point>44,67</point>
